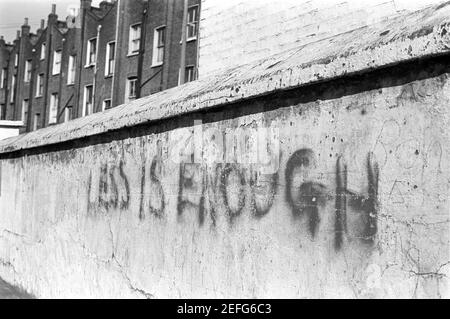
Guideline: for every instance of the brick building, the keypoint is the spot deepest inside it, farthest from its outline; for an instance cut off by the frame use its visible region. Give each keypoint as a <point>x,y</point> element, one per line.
<point>97,58</point>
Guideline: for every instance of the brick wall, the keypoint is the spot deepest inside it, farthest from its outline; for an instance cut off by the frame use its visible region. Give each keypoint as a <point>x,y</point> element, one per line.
<point>235,32</point>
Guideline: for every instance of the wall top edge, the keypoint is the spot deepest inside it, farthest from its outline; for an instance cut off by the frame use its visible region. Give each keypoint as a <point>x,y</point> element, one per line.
<point>421,34</point>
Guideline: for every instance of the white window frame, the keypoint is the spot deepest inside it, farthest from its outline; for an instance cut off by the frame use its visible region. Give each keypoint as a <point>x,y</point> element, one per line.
<point>193,23</point>
<point>104,104</point>
<point>67,113</point>
<point>134,41</point>
<point>157,47</point>
<point>13,89</point>
<point>129,97</point>
<point>39,84</point>
<point>108,71</point>
<point>3,78</point>
<point>25,107</point>
<point>189,67</point>
<point>57,56</point>
<point>85,104</point>
<point>16,60</point>
<point>37,117</point>
<point>27,73</point>
<point>89,62</point>
<point>71,70</point>
<point>43,47</point>
<point>53,111</point>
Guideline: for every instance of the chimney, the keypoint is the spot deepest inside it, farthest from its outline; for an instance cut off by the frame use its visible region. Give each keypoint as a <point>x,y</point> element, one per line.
<point>52,17</point>
<point>2,40</point>
<point>85,4</point>
<point>41,28</point>
<point>18,35</point>
<point>25,28</point>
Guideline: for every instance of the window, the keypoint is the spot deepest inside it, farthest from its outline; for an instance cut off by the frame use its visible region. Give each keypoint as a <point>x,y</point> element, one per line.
<point>192,23</point>
<point>106,104</point>
<point>3,79</point>
<point>13,88</point>
<point>135,39</point>
<point>40,85</point>
<point>88,100</point>
<point>16,60</point>
<point>43,46</point>
<point>71,70</point>
<point>189,74</point>
<point>158,46</point>
<point>25,106</point>
<point>110,58</point>
<point>53,114</point>
<point>91,52</point>
<point>36,124</point>
<point>68,114</point>
<point>131,89</point>
<point>27,71</point>
<point>56,62</point>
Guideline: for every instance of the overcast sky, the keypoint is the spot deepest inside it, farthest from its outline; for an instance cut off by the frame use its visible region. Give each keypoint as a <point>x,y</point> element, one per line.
<point>13,12</point>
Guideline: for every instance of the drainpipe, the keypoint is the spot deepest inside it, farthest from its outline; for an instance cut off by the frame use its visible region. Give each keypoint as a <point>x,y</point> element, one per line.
<point>115,53</point>
<point>183,44</point>
<point>52,18</point>
<point>142,50</point>
<point>94,82</point>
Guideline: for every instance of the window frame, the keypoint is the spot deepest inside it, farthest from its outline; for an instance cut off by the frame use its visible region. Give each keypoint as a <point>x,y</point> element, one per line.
<point>28,71</point>
<point>90,63</point>
<point>12,95</point>
<point>56,67</point>
<point>104,104</point>
<point>39,84</point>
<point>24,114</point>
<point>3,78</point>
<point>37,117</point>
<point>71,73</point>
<point>53,109</point>
<point>128,97</point>
<point>43,49</point>
<point>67,114</point>
<point>85,109</point>
<point>131,40</point>
<point>157,46</point>
<point>108,60</point>
<point>195,23</point>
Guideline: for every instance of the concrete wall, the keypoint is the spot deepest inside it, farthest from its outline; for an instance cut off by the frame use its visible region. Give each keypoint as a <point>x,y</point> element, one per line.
<point>248,30</point>
<point>349,198</point>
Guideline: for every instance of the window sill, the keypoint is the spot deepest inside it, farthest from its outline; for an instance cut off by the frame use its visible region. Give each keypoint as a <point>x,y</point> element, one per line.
<point>70,84</point>
<point>131,54</point>
<point>38,96</point>
<point>55,74</point>
<point>189,40</point>
<point>109,76</point>
<point>154,65</point>
<point>87,66</point>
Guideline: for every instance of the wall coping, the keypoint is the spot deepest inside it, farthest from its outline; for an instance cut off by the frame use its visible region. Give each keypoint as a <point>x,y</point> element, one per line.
<point>421,34</point>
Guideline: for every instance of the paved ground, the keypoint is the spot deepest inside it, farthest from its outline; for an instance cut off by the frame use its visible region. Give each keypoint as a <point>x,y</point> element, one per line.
<point>10,292</point>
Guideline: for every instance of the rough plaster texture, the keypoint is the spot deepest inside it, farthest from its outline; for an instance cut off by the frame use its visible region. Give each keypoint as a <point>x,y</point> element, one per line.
<point>357,207</point>
<point>249,30</point>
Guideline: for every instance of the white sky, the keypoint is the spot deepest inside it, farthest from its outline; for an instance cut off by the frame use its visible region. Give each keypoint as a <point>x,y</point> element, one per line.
<point>13,12</point>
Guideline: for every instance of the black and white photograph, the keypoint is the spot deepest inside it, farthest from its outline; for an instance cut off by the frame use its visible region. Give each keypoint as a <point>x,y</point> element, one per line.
<point>224,155</point>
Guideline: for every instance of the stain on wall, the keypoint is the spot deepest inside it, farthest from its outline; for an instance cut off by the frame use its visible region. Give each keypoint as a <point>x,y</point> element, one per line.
<point>356,207</point>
